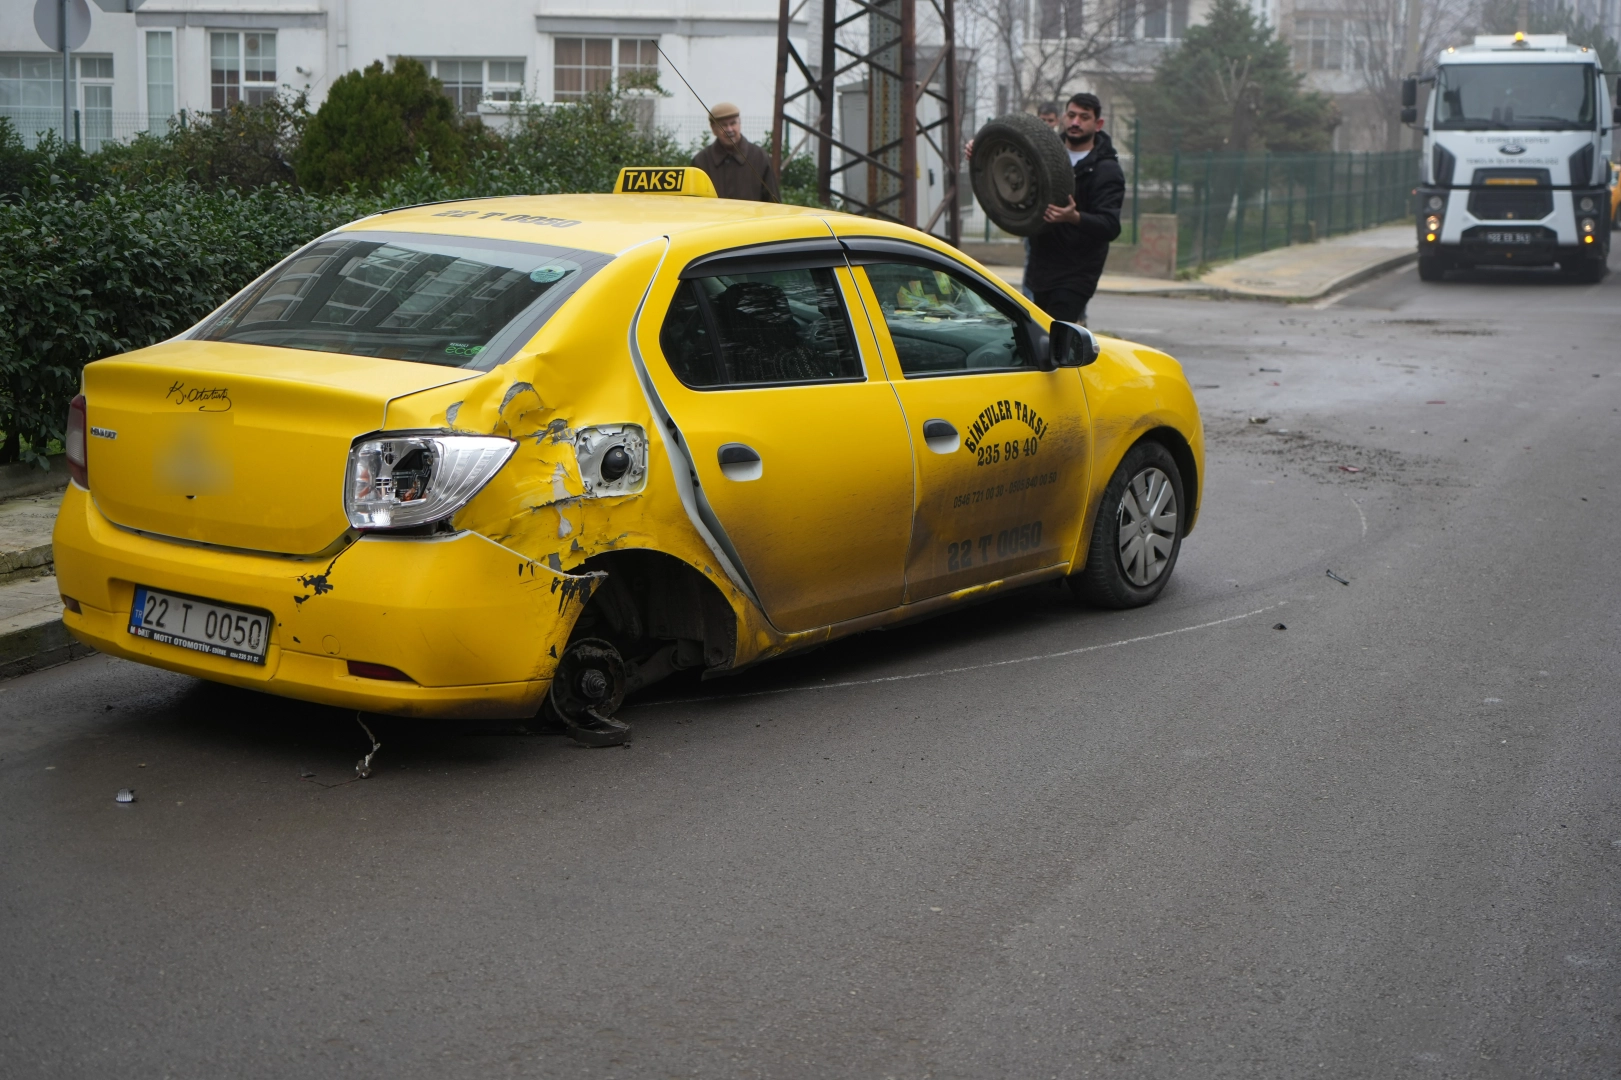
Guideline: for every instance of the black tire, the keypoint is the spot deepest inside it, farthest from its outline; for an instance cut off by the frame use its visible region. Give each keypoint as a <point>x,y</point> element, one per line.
<point>1112,578</point>
<point>1432,268</point>
<point>1018,169</point>
<point>1589,271</point>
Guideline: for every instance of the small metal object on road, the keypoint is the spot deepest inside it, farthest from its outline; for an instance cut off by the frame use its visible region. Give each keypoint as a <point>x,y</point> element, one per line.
<point>1337,578</point>
<point>1279,626</point>
<point>125,795</point>
<point>1259,419</point>
<point>1351,468</point>
<point>305,774</point>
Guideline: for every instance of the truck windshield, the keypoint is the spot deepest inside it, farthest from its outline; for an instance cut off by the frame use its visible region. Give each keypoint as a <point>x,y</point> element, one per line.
<point>1494,97</point>
<point>452,300</point>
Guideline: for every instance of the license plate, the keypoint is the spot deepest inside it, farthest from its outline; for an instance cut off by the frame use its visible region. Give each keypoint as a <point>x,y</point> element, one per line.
<point>204,626</point>
<point>1510,237</point>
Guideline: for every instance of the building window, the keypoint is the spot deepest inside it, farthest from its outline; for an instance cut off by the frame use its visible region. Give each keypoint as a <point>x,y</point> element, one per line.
<point>468,82</point>
<point>159,78</point>
<point>1319,43</point>
<point>584,66</point>
<point>96,100</point>
<point>242,68</point>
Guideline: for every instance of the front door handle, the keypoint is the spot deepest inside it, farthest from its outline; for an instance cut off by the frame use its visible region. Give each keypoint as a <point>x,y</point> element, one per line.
<point>940,436</point>
<point>739,462</point>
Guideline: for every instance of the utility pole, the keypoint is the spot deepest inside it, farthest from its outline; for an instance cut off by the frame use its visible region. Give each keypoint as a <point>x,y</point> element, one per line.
<point>67,92</point>
<point>879,171</point>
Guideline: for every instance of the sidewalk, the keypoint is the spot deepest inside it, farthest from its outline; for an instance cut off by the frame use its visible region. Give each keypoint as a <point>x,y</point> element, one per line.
<point>31,632</point>
<point>1296,273</point>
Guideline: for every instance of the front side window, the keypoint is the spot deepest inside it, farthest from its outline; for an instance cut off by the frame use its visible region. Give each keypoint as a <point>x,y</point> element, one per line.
<point>765,329</point>
<point>242,68</point>
<point>943,324</point>
<point>455,301</point>
<point>1541,97</point>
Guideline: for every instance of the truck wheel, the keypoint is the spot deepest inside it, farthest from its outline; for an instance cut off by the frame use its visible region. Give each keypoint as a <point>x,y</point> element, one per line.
<point>1589,271</point>
<point>1019,167</point>
<point>1138,533</point>
<point>1431,268</point>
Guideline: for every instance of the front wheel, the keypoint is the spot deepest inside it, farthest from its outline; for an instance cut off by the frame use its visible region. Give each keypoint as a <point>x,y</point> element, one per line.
<point>1138,533</point>
<point>1431,268</point>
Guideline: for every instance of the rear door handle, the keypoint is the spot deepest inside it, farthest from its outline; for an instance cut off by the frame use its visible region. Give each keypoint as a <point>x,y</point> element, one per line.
<point>940,436</point>
<point>739,462</point>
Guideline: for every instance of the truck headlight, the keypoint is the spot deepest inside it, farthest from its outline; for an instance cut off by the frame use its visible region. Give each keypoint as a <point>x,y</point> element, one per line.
<point>1435,202</point>
<point>1432,224</point>
<point>1587,226</point>
<point>399,480</point>
<point>1586,204</point>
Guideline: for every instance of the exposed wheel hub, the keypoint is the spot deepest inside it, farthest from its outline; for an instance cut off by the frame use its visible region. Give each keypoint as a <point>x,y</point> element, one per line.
<point>587,688</point>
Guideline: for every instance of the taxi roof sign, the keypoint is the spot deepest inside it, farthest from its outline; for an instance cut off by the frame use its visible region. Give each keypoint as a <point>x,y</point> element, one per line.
<point>684,180</point>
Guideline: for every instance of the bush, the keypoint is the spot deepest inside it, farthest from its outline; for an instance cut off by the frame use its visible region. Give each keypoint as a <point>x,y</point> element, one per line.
<point>85,278</point>
<point>375,123</point>
<point>244,147</point>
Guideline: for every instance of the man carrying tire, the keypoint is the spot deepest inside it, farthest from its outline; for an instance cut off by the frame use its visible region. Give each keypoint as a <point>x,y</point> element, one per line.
<point>1066,258</point>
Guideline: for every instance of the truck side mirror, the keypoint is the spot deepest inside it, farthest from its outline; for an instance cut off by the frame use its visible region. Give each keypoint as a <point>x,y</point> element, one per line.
<point>1409,115</point>
<point>1409,96</point>
<point>1072,345</point>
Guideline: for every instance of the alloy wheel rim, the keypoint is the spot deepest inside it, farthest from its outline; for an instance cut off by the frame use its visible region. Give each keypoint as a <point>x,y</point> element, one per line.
<point>1147,526</point>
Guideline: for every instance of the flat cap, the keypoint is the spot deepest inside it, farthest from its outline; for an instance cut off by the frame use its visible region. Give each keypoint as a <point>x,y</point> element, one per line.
<point>724,110</point>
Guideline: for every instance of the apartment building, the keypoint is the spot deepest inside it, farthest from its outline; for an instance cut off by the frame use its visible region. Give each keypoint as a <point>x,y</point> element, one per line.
<point>140,68</point>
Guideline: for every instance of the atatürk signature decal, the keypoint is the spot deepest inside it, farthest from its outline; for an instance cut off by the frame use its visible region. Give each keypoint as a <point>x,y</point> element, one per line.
<point>206,398</point>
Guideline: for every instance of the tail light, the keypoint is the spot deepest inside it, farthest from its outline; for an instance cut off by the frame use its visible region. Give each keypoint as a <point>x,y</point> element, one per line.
<point>363,670</point>
<point>401,480</point>
<point>74,443</point>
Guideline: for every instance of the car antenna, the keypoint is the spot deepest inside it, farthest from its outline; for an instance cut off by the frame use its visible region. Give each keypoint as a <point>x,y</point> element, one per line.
<point>765,185</point>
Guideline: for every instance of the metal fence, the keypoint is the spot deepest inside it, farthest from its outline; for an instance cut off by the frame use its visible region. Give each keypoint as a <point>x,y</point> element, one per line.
<point>1231,205</point>
<point>89,128</point>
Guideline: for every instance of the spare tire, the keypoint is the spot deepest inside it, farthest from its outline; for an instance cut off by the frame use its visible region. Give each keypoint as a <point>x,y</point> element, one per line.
<point>1018,169</point>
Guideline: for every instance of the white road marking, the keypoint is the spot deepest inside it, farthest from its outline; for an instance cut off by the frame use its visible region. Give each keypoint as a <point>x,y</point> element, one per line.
<point>968,667</point>
<point>1361,516</point>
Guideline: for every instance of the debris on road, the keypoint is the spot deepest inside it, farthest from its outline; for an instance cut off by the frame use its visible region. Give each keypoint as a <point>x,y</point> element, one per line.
<point>1274,370</point>
<point>1279,626</point>
<point>306,773</point>
<point>125,795</point>
<point>1435,403</point>
<point>363,766</point>
<point>1259,419</point>
<point>1351,468</point>
<point>1337,578</point>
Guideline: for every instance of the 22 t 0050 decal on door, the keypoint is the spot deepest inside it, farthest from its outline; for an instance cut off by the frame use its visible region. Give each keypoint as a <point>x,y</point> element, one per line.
<point>999,545</point>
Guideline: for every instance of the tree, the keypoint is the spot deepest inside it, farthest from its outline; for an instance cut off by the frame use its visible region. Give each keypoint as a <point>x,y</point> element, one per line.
<point>1392,39</point>
<point>1231,87</point>
<point>375,123</point>
<point>1046,61</point>
<point>1551,17</point>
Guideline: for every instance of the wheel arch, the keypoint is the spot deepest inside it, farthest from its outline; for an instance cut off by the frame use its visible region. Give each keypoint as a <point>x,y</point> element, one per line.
<point>651,597</point>
<point>1186,463</point>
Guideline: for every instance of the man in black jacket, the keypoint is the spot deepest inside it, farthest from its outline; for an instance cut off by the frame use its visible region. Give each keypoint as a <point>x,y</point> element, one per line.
<point>1067,260</point>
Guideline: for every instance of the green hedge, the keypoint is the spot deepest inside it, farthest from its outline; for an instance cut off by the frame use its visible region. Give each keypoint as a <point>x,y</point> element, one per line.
<point>82,278</point>
<point>108,252</point>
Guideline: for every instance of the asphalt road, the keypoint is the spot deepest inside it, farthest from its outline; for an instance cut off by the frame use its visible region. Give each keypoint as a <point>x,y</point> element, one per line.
<point>1025,840</point>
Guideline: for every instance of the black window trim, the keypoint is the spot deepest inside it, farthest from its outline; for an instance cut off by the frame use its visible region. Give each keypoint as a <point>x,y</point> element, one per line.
<point>818,253</point>
<point>867,250</point>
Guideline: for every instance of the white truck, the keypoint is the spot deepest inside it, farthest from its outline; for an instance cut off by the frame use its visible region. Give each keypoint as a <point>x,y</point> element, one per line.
<point>1516,163</point>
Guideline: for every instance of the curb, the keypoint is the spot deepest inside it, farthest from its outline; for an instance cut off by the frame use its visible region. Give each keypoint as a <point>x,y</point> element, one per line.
<point>24,478</point>
<point>33,648</point>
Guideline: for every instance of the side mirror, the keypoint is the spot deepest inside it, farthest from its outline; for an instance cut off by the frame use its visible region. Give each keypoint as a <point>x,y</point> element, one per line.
<point>1409,115</point>
<point>1072,345</point>
<point>1409,93</point>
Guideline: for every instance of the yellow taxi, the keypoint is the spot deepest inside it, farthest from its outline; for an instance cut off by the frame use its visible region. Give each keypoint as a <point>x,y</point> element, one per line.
<point>483,458</point>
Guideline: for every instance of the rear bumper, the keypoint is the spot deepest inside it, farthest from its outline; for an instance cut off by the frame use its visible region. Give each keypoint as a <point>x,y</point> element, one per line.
<point>476,626</point>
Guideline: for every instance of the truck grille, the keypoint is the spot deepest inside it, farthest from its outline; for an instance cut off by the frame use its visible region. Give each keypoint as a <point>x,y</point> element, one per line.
<point>1511,195</point>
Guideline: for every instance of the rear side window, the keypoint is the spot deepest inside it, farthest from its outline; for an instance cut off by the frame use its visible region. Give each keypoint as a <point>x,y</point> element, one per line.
<point>765,329</point>
<point>456,301</point>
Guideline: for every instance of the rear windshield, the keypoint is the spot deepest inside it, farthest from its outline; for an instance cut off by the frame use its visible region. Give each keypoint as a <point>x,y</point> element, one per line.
<point>450,300</point>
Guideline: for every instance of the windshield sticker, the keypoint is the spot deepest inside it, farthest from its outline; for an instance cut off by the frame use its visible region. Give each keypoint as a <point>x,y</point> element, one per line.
<point>207,399</point>
<point>545,275</point>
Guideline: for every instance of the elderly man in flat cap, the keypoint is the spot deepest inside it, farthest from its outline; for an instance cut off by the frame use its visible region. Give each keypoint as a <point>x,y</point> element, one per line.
<point>739,169</point>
